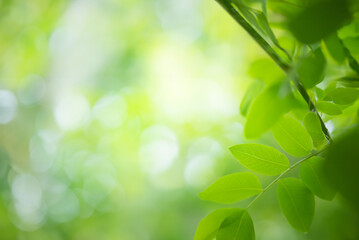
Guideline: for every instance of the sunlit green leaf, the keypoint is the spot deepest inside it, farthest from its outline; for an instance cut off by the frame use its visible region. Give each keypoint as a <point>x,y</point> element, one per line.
<point>260,158</point>
<point>312,124</point>
<point>310,68</point>
<point>266,70</point>
<point>296,202</point>
<point>328,108</point>
<point>208,226</point>
<point>344,96</point>
<point>312,173</point>
<point>238,226</point>
<point>232,188</point>
<point>266,109</point>
<point>292,136</point>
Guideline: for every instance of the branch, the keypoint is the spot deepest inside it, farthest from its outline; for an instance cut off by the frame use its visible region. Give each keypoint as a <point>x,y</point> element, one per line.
<point>283,174</point>
<point>227,5</point>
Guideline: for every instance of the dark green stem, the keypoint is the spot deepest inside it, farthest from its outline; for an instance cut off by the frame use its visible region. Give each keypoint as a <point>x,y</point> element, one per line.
<point>227,5</point>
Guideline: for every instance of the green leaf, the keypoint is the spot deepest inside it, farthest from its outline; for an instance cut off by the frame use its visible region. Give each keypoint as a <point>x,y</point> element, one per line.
<point>232,188</point>
<point>335,48</point>
<point>319,20</point>
<point>266,70</point>
<point>266,109</point>
<point>250,94</point>
<point>341,167</point>
<point>328,108</point>
<point>208,226</point>
<point>344,96</point>
<point>296,202</point>
<point>312,124</point>
<point>349,81</point>
<point>238,226</point>
<point>292,136</point>
<point>310,68</point>
<point>260,158</point>
<point>313,175</point>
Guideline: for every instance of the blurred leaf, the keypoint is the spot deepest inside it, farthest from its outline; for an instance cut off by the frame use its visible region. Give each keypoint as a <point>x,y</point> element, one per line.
<point>341,166</point>
<point>232,188</point>
<point>292,136</point>
<point>344,96</point>
<point>349,81</point>
<point>319,92</point>
<point>260,158</point>
<point>266,109</point>
<point>313,175</point>
<point>208,226</point>
<point>319,20</point>
<point>312,124</point>
<point>296,202</point>
<point>310,68</point>
<point>328,108</point>
<point>335,47</point>
<point>238,226</point>
<point>266,70</point>
<point>250,94</point>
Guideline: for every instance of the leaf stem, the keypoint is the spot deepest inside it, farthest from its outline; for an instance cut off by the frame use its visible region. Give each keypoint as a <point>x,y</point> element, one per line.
<point>282,175</point>
<point>227,5</point>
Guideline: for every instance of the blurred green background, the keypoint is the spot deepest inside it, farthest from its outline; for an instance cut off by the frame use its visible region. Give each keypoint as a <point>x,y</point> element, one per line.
<point>114,114</point>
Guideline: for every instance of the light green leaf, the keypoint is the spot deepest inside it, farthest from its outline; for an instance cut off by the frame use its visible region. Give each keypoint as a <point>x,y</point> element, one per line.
<point>260,158</point>
<point>310,68</point>
<point>349,81</point>
<point>250,94</point>
<point>232,188</point>
<point>344,96</point>
<point>238,226</point>
<point>266,109</point>
<point>292,136</point>
<point>312,124</point>
<point>296,202</point>
<point>328,108</point>
<point>208,226</point>
<point>313,175</point>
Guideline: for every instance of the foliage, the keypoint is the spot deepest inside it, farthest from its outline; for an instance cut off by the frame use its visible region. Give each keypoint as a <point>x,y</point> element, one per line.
<point>322,71</point>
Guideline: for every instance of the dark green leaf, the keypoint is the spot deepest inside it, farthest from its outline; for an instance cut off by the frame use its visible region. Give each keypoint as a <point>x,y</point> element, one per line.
<point>296,202</point>
<point>260,158</point>
<point>232,188</point>
<point>312,173</point>
<point>292,136</point>
<point>335,47</point>
<point>342,164</point>
<point>310,68</point>
<point>208,226</point>
<point>319,20</point>
<point>238,226</point>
